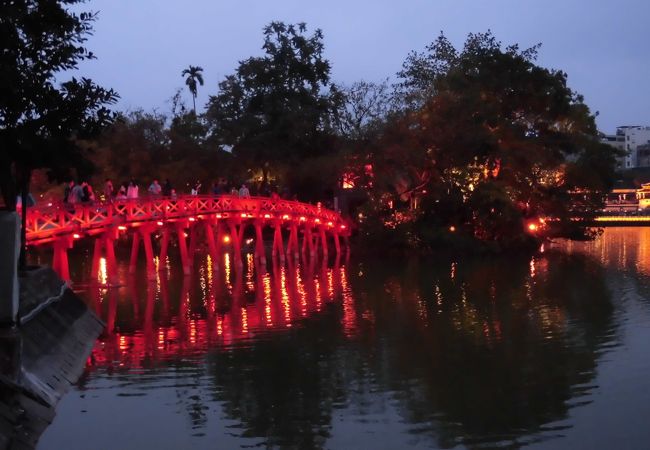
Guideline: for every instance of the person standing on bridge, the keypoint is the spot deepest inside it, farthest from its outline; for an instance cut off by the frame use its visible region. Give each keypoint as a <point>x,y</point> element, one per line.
<point>109,191</point>
<point>244,192</point>
<point>76,195</point>
<point>132,191</point>
<point>155,189</point>
<point>196,188</point>
<point>167,188</point>
<point>67,193</point>
<point>121,193</point>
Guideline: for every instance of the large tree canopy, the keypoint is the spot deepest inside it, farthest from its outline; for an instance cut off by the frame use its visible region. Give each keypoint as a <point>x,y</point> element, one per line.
<point>276,109</point>
<point>487,141</point>
<point>41,122</point>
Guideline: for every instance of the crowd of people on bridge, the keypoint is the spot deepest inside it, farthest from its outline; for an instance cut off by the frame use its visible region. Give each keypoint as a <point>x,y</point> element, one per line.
<point>82,192</point>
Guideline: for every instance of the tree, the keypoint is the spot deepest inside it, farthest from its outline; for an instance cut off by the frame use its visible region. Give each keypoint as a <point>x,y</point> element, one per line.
<point>277,109</point>
<point>364,108</point>
<point>194,75</point>
<point>487,142</point>
<point>41,124</point>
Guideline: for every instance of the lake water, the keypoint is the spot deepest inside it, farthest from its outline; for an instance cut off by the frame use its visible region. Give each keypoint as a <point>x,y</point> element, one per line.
<point>543,352</point>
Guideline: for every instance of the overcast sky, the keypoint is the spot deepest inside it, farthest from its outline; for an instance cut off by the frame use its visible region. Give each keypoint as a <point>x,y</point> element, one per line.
<point>143,45</point>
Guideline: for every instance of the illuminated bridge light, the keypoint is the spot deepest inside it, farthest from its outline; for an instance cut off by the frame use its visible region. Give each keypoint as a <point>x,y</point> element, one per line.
<point>303,218</point>
<point>316,220</point>
<point>343,227</point>
<point>160,224</point>
<point>243,215</point>
<point>76,235</point>
<point>192,219</point>
<point>226,239</point>
<point>267,216</point>
<point>286,217</point>
<point>623,219</point>
<point>218,216</point>
<point>330,224</point>
<point>121,228</point>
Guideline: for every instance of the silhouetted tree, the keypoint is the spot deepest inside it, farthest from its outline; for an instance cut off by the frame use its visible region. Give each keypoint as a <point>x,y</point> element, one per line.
<point>486,141</point>
<point>194,75</point>
<point>276,110</point>
<point>41,124</point>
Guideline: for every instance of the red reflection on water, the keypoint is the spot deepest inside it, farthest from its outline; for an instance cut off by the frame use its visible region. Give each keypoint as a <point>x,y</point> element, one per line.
<point>202,316</point>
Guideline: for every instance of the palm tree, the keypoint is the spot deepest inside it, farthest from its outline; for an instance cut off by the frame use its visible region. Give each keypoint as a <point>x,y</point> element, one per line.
<point>194,74</point>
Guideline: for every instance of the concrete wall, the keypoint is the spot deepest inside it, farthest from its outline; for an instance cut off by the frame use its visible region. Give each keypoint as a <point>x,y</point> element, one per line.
<point>9,251</point>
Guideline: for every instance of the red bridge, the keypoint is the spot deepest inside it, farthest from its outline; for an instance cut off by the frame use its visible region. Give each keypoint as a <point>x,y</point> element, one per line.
<point>218,219</point>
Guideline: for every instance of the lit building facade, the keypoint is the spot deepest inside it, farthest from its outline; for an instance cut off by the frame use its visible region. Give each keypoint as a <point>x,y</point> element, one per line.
<point>634,140</point>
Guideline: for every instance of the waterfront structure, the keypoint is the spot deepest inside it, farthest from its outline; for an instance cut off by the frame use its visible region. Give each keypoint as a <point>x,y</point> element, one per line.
<point>635,141</point>
<point>220,219</point>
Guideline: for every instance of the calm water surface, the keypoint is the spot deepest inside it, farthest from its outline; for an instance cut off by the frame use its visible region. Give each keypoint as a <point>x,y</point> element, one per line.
<point>548,352</point>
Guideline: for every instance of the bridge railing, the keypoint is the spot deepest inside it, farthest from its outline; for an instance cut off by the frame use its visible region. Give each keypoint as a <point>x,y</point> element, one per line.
<point>45,222</point>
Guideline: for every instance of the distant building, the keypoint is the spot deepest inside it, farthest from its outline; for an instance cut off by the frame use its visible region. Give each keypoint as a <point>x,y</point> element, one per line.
<point>635,140</point>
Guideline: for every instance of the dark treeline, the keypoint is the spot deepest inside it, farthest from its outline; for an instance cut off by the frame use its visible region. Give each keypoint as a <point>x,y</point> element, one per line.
<point>471,144</point>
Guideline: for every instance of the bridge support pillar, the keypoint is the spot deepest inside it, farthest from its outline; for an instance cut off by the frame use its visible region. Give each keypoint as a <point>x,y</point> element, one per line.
<point>323,241</point>
<point>212,246</point>
<point>193,243</point>
<point>235,233</point>
<point>111,262</point>
<point>60,261</point>
<point>135,248</point>
<point>182,245</point>
<point>219,241</point>
<point>308,241</point>
<point>278,244</point>
<point>105,242</point>
<point>148,251</point>
<point>97,255</point>
<point>293,248</point>
<point>337,243</point>
<point>260,253</point>
<point>164,247</point>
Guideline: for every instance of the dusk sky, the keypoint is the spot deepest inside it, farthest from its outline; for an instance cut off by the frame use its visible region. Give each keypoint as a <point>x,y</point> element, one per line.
<point>143,45</point>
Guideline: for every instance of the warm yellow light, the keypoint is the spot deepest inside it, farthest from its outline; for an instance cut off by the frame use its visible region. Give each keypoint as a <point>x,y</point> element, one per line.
<point>226,239</point>
<point>452,228</point>
<point>532,227</point>
<point>267,216</point>
<point>121,228</point>
<point>286,217</point>
<point>160,224</point>
<point>76,236</point>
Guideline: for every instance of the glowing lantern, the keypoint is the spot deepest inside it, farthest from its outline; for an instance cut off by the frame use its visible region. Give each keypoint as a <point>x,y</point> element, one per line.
<point>532,227</point>
<point>226,239</point>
